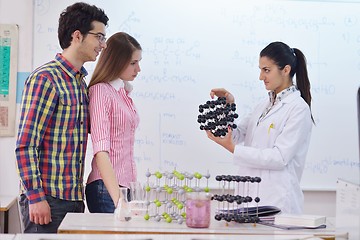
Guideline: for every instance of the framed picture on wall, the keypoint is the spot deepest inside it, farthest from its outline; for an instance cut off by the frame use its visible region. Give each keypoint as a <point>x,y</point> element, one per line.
<point>9,34</point>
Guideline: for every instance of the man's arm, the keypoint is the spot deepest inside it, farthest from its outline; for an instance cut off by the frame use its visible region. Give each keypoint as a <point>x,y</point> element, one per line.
<point>38,102</point>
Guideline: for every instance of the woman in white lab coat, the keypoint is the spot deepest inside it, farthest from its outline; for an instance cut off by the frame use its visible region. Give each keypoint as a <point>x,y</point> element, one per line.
<point>272,142</point>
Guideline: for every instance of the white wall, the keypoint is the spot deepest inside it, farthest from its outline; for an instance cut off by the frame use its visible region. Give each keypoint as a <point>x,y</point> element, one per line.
<point>15,12</point>
<point>21,12</point>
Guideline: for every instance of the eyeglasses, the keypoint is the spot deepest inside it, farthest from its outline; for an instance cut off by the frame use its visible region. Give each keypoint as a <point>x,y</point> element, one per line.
<point>101,37</point>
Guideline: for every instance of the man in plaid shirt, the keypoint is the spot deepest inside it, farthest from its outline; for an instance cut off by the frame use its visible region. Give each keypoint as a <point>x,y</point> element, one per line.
<point>54,123</point>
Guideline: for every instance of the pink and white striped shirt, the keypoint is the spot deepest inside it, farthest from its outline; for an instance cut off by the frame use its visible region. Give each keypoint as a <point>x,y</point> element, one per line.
<point>113,121</point>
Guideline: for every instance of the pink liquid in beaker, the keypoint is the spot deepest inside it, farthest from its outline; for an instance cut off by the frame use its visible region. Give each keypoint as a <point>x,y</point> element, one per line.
<point>197,213</point>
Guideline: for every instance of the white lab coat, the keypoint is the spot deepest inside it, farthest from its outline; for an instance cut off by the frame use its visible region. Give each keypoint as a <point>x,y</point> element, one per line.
<point>275,150</point>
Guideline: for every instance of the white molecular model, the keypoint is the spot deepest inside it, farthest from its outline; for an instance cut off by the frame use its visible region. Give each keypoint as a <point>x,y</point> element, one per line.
<point>166,197</point>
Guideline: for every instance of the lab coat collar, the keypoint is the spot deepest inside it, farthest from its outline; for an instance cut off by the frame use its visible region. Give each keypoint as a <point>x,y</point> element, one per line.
<point>274,99</point>
<point>291,97</point>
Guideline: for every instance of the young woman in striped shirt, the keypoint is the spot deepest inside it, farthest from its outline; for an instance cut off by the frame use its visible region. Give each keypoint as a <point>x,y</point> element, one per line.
<point>113,121</point>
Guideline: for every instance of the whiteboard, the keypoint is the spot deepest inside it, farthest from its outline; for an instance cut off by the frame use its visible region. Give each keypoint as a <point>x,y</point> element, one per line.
<point>193,46</point>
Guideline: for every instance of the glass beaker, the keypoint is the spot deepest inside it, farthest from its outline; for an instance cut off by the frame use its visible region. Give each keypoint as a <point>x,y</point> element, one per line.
<point>198,209</point>
<point>137,199</point>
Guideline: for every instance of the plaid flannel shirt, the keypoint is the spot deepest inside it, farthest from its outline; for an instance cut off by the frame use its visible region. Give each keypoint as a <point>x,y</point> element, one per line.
<point>53,131</point>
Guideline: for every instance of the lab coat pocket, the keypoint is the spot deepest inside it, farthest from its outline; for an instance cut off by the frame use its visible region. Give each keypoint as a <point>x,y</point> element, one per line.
<point>272,134</point>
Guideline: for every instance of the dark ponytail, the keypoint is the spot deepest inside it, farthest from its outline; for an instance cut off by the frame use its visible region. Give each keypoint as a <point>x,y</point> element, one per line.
<point>283,55</point>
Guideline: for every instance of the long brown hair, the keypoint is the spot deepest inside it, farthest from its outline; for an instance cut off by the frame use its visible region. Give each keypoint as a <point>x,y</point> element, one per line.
<point>114,58</point>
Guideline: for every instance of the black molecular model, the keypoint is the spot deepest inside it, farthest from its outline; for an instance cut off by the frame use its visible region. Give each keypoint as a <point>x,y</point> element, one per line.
<point>217,116</point>
<point>235,207</point>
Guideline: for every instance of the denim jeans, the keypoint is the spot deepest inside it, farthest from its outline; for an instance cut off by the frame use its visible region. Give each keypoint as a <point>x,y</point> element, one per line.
<point>58,207</point>
<point>98,199</point>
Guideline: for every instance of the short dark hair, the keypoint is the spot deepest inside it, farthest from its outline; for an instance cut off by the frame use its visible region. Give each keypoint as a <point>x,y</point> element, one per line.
<point>78,16</point>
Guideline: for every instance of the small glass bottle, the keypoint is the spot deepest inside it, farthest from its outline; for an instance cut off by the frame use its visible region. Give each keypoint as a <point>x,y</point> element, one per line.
<point>122,211</point>
<point>198,209</point>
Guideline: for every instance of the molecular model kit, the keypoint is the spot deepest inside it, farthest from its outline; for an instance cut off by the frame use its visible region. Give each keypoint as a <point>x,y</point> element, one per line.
<point>236,207</point>
<point>217,116</point>
<point>166,194</point>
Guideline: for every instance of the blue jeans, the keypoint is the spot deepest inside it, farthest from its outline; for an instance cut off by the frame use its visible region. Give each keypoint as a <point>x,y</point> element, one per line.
<point>58,207</point>
<point>98,199</point>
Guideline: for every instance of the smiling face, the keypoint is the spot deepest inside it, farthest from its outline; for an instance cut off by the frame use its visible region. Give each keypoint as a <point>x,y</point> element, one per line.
<point>274,78</point>
<point>93,43</point>
<point>131,71</point>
